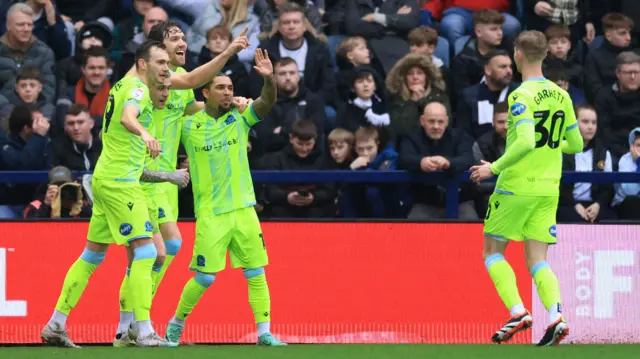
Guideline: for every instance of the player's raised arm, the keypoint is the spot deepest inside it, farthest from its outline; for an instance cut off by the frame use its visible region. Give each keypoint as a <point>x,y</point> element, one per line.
<point>203,74</point>
<point>269,94</point>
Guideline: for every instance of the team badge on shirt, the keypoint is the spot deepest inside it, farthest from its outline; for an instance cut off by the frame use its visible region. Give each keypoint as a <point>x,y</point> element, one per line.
<point>518,109</point>
<point>137,93</point>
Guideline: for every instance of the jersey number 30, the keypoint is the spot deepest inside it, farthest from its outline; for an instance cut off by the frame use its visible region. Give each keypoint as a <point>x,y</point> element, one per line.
<point>109,112</point>
<point>549,136</point>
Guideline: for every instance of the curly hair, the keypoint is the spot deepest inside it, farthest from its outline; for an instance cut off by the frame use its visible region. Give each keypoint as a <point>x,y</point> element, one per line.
<point>397,78</point>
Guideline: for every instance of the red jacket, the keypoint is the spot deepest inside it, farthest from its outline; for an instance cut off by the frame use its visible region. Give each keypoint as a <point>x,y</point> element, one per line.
<point>438,6</point>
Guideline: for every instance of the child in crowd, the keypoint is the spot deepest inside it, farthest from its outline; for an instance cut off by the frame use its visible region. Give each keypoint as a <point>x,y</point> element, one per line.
<point>365,107</point>
<point>340,149</point>
<point>627,198</point>
<point>560,54</point>
<point>423,40</point>
<point>352,53</point>
<point>28,91</point>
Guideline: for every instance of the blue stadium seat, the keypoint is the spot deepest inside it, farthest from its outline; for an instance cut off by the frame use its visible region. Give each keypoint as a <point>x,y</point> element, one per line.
<point>459,45</point>
<point>596,43</point>
<point>442,50</point>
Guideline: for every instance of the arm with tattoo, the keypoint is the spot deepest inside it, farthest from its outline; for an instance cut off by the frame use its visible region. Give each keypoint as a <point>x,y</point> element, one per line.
<point>179,177</point>
<point>269,94</point>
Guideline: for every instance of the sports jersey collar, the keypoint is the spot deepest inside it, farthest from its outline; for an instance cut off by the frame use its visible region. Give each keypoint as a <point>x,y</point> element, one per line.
<point>537,79</point>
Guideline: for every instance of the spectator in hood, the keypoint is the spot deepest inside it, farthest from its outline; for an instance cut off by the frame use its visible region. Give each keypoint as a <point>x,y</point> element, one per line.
<point>627,198</point>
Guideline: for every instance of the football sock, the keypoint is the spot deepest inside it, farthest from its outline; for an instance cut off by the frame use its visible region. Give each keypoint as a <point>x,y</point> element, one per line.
<point>126,305</point>
<point>58,318</point>
<point>191,294</point>
<point>75,283</point>
<point>259,298</point>
<point>140,280</point>
<point>504,280</point>
<point>548,289</point>
<point>173,246</point>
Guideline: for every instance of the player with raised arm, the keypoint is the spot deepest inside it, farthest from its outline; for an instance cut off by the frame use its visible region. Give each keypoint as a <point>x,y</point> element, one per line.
<point>216,143</point>
<point>163,197</point>
<point>120,213</point>
<point>541,126</point>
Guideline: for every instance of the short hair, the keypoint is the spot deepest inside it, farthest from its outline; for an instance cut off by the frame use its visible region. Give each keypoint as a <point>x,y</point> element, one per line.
<point>285,61</point>
<point>501,107</point>
<point>289,7</point>
<point>20,7</point>
<point>304,129</point>
<point>349,44</point>
<point>555,31</point>
<point>556,73</point>
<point>76,109</point>
<point>423,35</point>
<point>221,31</point>
<point>627,58</point>
<point>579,108</point>
<point>144,51</point>
<point>28,73</point>
<point>161,30</point>
<point>94,51</point>
<point>367,133</point>
<point>340,135</point>
<point>533,45</point>
<point>487,17</point>
<point>615,21</point>
<point>20,117</point>
<point>493,54</point>
<point>210,82</point>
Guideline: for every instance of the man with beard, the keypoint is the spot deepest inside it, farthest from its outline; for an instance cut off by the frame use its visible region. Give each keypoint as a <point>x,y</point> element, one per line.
<point>475,107</point>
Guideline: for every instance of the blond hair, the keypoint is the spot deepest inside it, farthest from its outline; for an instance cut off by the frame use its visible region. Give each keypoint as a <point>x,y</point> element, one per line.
<point>368,133</point>
<point>533,44</point>
<point>235,15</point>
<point>340,135</point>
<point>349,44</point>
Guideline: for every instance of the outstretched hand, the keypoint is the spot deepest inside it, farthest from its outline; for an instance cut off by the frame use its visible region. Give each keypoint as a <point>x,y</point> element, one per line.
<point>239,43</point>
<point>263,65</point>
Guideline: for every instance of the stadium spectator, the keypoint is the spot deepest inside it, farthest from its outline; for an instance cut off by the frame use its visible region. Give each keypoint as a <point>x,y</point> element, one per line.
<point>78,149</point>
<point>618,106</point>
<point>563,55</point>
<point>49,27</point>
<point>295,101</point>
<point>575,14</point>
<point>311,56</point>
<point>489,147</point>
<point>26,148</point>
<point>366,108</point>
<point>371,200</point>
<point>234,15</point>
<point>61,197</point>
<point>437,147</point>
<point>269,18</point>
<point>28,91</point>
<point>385,25</point>
<point>561,77</point>
<point>351,53</point>
<point>127,29</point>
<point>475,108</point>
<point>468,66</point>
<point>412,83</point>
<point>457,19</point>
<point>587,202</point>
<point>69,70</point>
<point>92,90</point>
<point>299,200</point>
<point>423,40</point>
<point>627,198</point>
<point>218,39</point>
<point>340,149</point>
<point>19,48</point>
<point>600,63</point>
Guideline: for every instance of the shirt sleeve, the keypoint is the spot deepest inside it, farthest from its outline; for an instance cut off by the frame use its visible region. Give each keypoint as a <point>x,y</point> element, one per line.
<point>189,98</point>
<point>138,97</point>
<point>572,142</point>
<point>521,118</point>
<point>249,116</point>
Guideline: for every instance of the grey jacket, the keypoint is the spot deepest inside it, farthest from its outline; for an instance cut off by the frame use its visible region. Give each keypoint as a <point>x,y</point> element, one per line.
<point>37,54</point>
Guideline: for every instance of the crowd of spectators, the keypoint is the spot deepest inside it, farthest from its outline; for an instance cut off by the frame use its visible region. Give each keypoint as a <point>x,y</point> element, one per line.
<point>363,85</point>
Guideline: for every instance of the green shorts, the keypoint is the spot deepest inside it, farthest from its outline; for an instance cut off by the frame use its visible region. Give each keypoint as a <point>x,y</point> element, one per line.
<point>120,213</point>
<point>237,231</point>
<point>511,217</point>
<point>166,199</point>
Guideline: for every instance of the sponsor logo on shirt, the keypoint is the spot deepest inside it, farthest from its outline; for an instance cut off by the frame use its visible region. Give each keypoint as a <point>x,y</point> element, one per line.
<point>552,230</point>
<point>125,229</point>
<point>218,146</point>
<point>518,109</point>
<point>229,120</point>
<point>147,226</point>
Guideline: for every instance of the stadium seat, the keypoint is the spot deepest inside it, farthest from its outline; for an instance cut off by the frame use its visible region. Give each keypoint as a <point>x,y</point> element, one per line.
<point>596,43</point>
<point>442,50</point>
<point>459,45</point>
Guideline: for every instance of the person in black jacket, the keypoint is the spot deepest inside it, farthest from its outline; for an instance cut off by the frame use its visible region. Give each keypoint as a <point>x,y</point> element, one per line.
<point>618,106</point>
<point>437,147</point>
<point>299,200</point>
<point>365,107</point>
<point>218,39</point>
<point>77,149</point>
<point>294,101</point>
<point>60,197</point>
<point>587,202</point>
<point>562,54</point>
<point>600,64</point>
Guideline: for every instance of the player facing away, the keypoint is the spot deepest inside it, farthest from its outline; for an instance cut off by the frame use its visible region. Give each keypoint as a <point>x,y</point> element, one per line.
<point>163,197</point>
<point>120,213</point>
<point>541,126</point>
<point>216,143</point>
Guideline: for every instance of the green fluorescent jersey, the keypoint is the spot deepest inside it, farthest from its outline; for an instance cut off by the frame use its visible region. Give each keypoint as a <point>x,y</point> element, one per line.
<point>123,153</point>
<point>218,163</point>
<point>549,108</point>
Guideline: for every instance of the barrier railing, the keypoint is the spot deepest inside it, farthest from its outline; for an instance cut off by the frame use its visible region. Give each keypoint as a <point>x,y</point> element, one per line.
<point>450,181</point>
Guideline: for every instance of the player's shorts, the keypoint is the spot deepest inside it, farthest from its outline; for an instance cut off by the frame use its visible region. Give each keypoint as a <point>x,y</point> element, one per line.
<point>511,217</point>
<point>120,213</point>
<point>237,231</point>
<point>153,214</point>
<point>166,199</point>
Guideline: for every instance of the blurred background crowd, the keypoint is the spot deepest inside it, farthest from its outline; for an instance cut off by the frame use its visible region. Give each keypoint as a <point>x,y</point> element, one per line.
<point>363,85</point>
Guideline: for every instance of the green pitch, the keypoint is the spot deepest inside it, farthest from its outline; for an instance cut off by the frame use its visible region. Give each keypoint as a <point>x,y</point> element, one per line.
<point>354,351</point>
